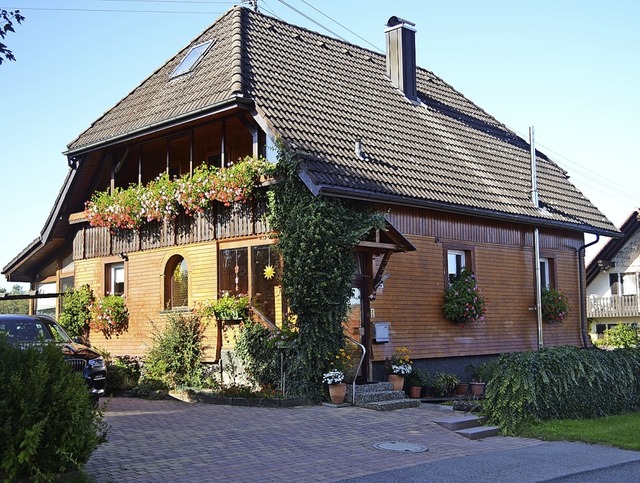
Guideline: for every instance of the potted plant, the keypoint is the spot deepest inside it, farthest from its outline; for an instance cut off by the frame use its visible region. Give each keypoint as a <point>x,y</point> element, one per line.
<point>398,366</point>
<point>480,375</point>
<point>109,315</point>
<point>337,388</point>
<point>417,380</point>
<point>445,383</point>
<point>228,308</point>
<point>463,302</point>
<point>555,305</point>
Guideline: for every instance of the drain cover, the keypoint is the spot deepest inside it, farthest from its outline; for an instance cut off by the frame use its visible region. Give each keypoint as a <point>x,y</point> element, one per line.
<point>401,446</point>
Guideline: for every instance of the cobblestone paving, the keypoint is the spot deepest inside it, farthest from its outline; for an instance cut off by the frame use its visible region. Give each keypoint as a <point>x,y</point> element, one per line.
<point>156,441</point>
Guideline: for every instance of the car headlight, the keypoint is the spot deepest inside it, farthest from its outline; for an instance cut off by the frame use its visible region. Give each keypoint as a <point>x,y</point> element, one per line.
<point>99,362</point>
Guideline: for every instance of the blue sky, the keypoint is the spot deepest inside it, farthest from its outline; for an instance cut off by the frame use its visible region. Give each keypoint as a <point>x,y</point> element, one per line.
<point>570,68</point>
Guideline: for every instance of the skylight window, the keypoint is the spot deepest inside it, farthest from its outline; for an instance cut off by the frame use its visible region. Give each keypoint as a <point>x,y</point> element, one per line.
<point>191,59</point>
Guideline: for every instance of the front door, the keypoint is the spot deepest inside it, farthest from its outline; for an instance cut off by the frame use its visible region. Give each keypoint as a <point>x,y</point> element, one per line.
<point>357,326</point>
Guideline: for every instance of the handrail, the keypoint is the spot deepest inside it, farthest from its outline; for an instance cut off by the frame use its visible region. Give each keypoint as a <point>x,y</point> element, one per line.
<point>263,318</point>
<point>355,376</point>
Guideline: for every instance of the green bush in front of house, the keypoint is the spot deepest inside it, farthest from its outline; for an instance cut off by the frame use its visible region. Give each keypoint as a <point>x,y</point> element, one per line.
<point>48,424</point>
<point>562,383</point>
<point>176,355</point>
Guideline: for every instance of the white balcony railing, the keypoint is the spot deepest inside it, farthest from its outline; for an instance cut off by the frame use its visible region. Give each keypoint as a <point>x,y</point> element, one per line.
<point>614,306</point>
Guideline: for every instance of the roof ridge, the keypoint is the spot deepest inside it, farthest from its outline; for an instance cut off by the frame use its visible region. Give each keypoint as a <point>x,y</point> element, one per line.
<point>237,26</point>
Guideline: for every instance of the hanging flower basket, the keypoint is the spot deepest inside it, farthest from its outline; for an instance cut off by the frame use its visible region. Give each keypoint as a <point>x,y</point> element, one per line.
<point>555,305</point>
<point>463,302</point>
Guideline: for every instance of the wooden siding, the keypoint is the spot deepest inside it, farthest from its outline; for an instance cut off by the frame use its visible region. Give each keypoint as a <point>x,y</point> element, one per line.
<point>145,293</point>
<point>413,295</point>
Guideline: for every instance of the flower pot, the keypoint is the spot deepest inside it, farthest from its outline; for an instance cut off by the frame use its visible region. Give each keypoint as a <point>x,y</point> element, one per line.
<point>461,389</point>
<point>337,392</point>
<point>477,388</point>
<point>397,380</point>
<point>414,392</point>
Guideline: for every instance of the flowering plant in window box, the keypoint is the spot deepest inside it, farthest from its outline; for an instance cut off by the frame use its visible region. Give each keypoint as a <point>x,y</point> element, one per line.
<point>228,307</point>
<point>161,198</point>
<point>463,301</point>
<point>555,305</point>
<point>109,315</point>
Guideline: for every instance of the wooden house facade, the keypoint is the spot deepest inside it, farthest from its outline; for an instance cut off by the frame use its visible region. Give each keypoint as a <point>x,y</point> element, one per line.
<point>454,185</point>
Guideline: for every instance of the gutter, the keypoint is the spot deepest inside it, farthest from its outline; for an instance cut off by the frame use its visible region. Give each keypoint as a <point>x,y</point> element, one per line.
<point>582,292</point>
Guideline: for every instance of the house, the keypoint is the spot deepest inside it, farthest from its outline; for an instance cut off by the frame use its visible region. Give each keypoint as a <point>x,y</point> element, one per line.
<point>613,280</point>
<point>453,182</point>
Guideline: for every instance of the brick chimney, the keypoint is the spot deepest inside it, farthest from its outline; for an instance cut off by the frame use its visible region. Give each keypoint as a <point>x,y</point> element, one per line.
<point>401,55</point>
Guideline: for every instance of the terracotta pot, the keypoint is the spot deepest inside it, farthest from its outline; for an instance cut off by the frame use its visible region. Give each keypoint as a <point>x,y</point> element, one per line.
<point>414,392</point>
<point>337,392</point>
<point>397,380</point>
<point>461,389</point>
<point>477,388</point>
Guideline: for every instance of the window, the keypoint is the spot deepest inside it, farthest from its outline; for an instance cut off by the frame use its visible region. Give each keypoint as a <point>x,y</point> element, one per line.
<point>264,276</point>
<point>233,271</point>
<point>623,283</point>
<point>115,278</point>
<point>176,283</point>
<point>46,306</point>
<point>456,261</point>
<point>191,59</point>
<point>544,273</point>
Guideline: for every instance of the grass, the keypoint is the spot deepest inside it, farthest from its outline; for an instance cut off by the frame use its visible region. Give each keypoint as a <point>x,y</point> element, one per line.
<point>619,431</point>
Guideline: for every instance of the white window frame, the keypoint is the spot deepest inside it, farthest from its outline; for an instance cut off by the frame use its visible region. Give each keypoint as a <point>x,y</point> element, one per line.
<point>545,276</point>
<point>456,261</point>
<point>116,272</point>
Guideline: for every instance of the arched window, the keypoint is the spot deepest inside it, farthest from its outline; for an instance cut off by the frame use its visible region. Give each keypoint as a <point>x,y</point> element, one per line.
<point>176,290</point>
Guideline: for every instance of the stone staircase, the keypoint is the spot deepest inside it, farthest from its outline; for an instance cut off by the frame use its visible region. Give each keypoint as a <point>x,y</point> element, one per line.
<point>380,396</point>
<point>469,426</point>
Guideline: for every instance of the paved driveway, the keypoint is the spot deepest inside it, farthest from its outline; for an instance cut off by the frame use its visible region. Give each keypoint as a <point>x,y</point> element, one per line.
<point>155,441</point>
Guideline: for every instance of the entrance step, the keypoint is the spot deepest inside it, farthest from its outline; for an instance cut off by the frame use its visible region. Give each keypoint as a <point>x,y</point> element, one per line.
<point>479,432</point>
<point>469,426</point>
<point>390,405</point>
<point>461,422</point>
<point>380,396</point>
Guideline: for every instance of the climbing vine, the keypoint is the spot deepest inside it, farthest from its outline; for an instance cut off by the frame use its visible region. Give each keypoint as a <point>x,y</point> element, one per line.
<point>316,238</point>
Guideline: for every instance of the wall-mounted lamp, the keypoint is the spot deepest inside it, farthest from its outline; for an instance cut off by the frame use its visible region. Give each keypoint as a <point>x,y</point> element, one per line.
<point>124,256</point>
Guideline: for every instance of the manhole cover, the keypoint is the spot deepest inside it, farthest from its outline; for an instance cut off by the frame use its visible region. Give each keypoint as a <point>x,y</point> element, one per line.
<point>401,446</point>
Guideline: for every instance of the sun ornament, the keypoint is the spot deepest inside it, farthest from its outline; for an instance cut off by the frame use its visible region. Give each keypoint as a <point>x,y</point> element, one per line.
<point>269,272</point>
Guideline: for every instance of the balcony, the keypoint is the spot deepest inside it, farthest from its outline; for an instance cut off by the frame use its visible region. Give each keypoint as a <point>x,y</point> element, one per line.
<point>613,306</point>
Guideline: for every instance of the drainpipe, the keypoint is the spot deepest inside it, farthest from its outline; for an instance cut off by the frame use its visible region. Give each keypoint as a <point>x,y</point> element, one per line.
<point>536,238</point>
<point>582,294</point>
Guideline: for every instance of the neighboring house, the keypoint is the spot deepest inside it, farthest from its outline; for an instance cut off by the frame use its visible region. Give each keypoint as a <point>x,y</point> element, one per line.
<point>613,281</point>
<point>454,184</point>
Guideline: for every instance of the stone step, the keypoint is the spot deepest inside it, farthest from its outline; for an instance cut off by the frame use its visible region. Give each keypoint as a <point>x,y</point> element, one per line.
<point>372,387</point>
<point>479,432</point>
<point>379,396</point>
<point>461,421</point>
<point>390,405</point>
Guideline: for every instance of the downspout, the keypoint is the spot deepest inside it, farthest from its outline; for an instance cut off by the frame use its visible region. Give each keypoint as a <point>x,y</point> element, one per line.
<point>581,291</point>
<point>536,238</point>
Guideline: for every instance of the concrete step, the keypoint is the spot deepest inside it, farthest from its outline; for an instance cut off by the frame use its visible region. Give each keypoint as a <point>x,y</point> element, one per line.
<point>390,405</point>
<point>371,387</point>
<point>461,421</point>
<point>479,432</point>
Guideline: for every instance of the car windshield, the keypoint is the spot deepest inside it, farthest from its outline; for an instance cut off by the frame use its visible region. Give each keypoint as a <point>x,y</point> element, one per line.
<point>33,330</point>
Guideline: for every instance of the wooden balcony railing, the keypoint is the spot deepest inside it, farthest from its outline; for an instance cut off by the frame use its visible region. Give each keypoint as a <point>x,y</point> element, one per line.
<point>614,306</point>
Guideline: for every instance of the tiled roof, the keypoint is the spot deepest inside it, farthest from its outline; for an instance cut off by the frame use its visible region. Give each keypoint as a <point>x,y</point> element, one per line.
<point>321,95</point>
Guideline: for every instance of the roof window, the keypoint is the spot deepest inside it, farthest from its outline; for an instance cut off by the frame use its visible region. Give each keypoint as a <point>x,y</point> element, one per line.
<point>191,59</point>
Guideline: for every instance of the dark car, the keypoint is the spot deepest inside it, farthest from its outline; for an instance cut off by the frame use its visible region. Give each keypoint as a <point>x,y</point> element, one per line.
<point>27,330</point>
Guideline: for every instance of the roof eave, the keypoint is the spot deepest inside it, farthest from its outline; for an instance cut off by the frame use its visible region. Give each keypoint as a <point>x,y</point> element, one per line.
<point>237,101</point>
<point>451,208</point>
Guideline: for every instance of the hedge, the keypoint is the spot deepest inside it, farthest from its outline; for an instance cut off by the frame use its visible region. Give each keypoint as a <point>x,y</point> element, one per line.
<point>562,383</point>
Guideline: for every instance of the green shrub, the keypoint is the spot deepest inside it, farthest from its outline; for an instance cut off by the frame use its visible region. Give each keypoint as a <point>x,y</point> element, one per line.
<point>76,310</point>
<point>620,336</point>
<point>124,374</point>
<point>445,383</point>
<point>562,383</point>
<point>419,377</point>
<point>261,357</point>
<point>48,424</point>
<point>175,357</point>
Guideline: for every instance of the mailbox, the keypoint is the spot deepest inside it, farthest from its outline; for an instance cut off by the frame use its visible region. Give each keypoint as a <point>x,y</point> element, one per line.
<point>381,332</point>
